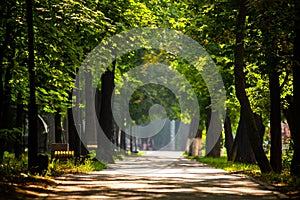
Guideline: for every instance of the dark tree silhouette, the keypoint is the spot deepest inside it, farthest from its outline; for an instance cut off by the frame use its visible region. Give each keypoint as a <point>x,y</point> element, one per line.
<point>253,132</point>
<point>32,115</point>
<point>295,165</point>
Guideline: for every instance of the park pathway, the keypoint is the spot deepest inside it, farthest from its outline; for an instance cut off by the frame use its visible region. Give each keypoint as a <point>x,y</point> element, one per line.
<point>159,175</point>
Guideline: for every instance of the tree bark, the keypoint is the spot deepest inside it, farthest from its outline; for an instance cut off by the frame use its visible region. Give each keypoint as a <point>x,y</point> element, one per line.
<point>89,135</point>
<point>253,132</point>
<point>197,143</point>
<point>131,140</point>
<point>75,130</point>
<point>106,117</point>
<point>74,140</point>
<point>19,124</point>
<point>244,153</point>
<point>58,127</point>
<point>275,122</point>
<point>32,114</point>
<point>228,136</point>
<point>295,165</point>
<point>3,52</point>
<point>215,152</point>
<point>122,141</point>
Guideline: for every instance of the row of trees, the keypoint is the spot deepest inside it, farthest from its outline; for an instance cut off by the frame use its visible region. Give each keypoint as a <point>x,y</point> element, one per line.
<point>255,45</point>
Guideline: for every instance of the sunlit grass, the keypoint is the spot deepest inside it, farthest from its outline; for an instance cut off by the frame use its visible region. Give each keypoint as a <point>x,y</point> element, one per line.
<point>222,163</point>
<point>284,181</point>
<point>57,167</point>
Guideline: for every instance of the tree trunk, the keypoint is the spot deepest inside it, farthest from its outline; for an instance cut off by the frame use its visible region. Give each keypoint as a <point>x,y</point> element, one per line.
<point>131,140</point>
<point>74,140</point>
<point>19,125</point>
<point>253,133</point>
<point>75,130</point>
<point>228,136</point>
<point>90,134</point>
<point>275,122</point>
<point>197,143</point>
<point>3,51</point>
<point>58,128</point>
<point>7,109</point>
<point>244,153</point>
<point>117,134</point>
<point>215,152</point>
<point>295,165</point>
<point>122,141</point>
<point>106,117</point>
<point>32,114</point>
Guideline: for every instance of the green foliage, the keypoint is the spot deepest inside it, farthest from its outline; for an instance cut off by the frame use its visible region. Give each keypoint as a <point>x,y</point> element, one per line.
<point>67,30</point>
<point>10,135</point>
<point>11,167</point>
<point>145,97</point>
<point>57,167</point>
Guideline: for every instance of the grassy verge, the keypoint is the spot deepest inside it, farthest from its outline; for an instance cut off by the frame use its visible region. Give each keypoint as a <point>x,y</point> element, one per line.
<point>57,167</point>
<point>17,183</point>
<point>284,182</point>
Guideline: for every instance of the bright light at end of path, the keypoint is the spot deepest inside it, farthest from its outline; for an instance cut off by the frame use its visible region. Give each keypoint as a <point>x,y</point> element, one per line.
<point>138,44</point>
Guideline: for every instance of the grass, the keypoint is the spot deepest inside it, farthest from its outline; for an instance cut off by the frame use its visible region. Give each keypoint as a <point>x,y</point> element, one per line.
<point>120,155</point>
<point>57,167</point>
<point>16,182</point>
<point>284,182</point>
<point>139,153</point>
<point>228,166</point>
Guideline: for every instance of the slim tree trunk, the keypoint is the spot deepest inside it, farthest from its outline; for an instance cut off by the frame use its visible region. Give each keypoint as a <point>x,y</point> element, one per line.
<point>275,122</point>
<point>295,165</point>
<point>122,141</point>
<point>19,125</point>
<point>3,51</point>
<point>253,132</point>
<point>228,136</point>
<point>106,117</point>
<point>215,152</point>
<point>89,135</point>
<point>58,128</point>
<point>74,140</point>
<point>75,130</point>
<point>7,110</point>
<point>197,143</point>
<point>32,115</point>
<point>131,140</point>
<point>117,133</point>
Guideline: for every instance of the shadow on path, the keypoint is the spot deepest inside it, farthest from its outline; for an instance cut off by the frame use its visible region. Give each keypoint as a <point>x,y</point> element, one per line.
<point>162,179</point>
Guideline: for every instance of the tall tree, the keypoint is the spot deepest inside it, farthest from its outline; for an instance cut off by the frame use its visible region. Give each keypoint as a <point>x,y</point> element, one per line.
<point>275,122</point>
<point>33,117</point>
<point>253,133</point>
<point>295,165</point>
<point>271,26</point>
<point>106,116</point>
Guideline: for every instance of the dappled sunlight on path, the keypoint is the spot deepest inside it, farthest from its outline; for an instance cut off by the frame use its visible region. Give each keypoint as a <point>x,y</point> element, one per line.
<point>180,179</point>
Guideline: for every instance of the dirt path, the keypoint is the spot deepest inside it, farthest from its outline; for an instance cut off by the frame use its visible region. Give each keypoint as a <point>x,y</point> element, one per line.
<point>159,176</point>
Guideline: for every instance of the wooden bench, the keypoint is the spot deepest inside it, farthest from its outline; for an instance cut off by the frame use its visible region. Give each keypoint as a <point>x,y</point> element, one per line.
<point>61,151</point>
